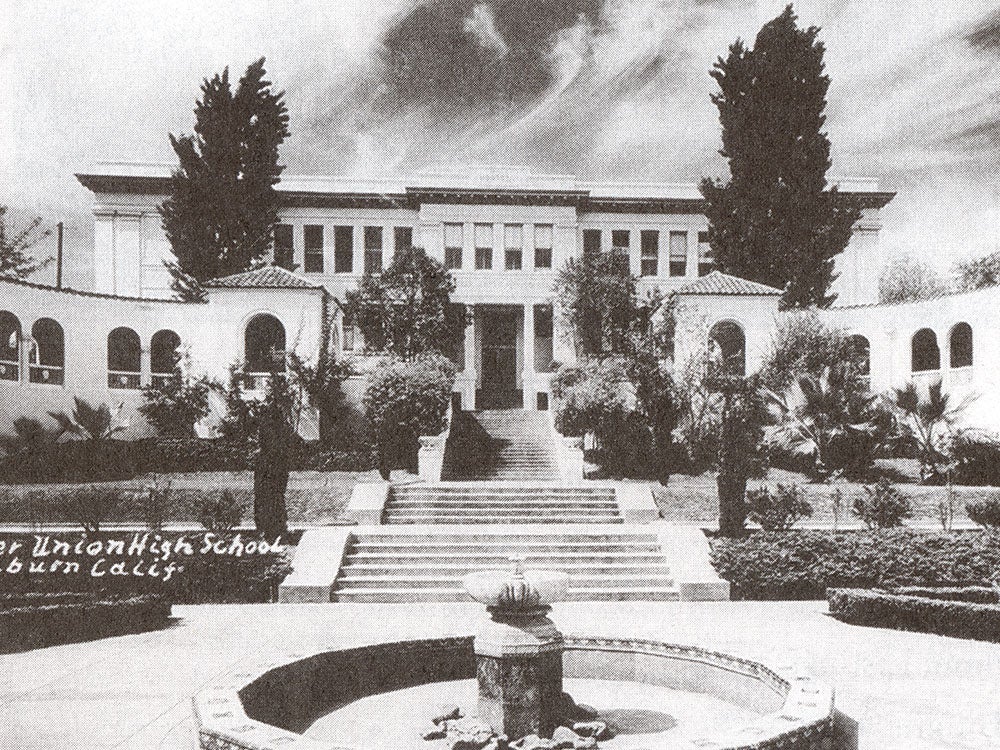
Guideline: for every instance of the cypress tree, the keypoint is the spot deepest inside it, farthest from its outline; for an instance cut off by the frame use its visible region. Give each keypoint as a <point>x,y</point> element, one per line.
<point>776,221</point>
<point>222,207</point>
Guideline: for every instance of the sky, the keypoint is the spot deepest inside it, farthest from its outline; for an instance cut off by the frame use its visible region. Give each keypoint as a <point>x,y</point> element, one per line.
<point>604,89</point>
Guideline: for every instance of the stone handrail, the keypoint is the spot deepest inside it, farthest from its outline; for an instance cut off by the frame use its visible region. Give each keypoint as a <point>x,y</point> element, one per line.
<point>430,457</point>
<point>569,453</point>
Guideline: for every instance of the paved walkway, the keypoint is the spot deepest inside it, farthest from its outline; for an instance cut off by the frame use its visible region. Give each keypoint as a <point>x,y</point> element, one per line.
<point>907,690</point>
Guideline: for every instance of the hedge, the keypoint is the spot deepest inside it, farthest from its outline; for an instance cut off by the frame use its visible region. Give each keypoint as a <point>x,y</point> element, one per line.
<point>803,564</point>
<point>35,621</point>
<point>111,460</point>
<point>201,579</point>
<point>917,613</point>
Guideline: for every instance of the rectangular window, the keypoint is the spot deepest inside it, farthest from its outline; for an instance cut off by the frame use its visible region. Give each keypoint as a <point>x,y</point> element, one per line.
<point>484,247</point>
<point>403,238</point>
<point>543,338</point>
<point>343,249</point>
<point>678,253</point>
<point>650,260</point>
<point>314,249</point>
<point>513,246</point>
<point>705,260</point>
<point>619,239</point>
<point>373,249</point>
<point>453,242</point>
<point>284,246</point>
<point>543,246</point>
<point>591,240</point>
<point>348,337</point>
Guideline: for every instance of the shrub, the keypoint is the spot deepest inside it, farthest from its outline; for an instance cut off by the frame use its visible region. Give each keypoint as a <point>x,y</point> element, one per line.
<point>175,404</point>
<point>407,399</point>
<point>221,513</point>
<point>882,506</point>
<point>92,506</point>
<point>153,504</point>
<point>803,564</point>
<point>779,511</point>
<point>917,613</point>
<point>72,461</point>
<point>986,511</point>
<point>35,621</point>
<point>977,459</point>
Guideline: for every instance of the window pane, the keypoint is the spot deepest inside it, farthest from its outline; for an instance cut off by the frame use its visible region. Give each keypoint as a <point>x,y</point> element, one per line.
<point>343,249</point>
<point>403,237</point>
<point>543,257</point>
<point>484,258</point>
<point>284,251</point>
<point>512,259</point>
<point>513,235</point>
<point>678,253</point>
<point>453,235</point>
<point>543,235</point>
<point>484,235</point>
<point>373,249</point>
<point>705,260</point>
<point>650,240</point>
<point>619,238</point>
<point>314,249</point>
<point>453,258</point>
<point>591,240</point>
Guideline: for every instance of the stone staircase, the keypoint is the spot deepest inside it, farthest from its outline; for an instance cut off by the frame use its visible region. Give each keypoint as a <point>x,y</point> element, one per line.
<point>420,564</point>
<point>505,445</point>
<point>468,503</point>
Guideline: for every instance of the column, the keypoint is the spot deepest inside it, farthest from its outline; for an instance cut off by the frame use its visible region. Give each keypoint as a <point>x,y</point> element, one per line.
<point>145,364</point>
<point>469,374</point>
<point>528,375</point>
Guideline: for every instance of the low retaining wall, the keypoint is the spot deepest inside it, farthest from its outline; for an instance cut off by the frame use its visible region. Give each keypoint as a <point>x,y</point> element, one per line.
<point>265,706</point>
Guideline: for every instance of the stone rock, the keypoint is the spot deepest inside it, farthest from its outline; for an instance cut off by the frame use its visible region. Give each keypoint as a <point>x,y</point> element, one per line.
<point>571,711</point>
<point>434,732</point>
<point>532,742</point>
<point>468,734</point>
<point>590,728</point>
<point>565,738</point>
<point>585,743</point>
<point>445,712</point>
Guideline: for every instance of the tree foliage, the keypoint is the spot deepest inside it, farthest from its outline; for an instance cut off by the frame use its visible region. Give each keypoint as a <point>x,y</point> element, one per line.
<point>406,309</point>
<point>978,273</point>
<point>15,260</point>
<point>776,221</point>
<point>803,344</point>
<point>89,422</point>
<point>222,207</point>
<point>906,279</point>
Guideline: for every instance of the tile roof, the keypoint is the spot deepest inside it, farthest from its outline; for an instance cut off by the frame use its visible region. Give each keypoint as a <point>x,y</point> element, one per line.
<point>268,277</point>
<point>722,283</point>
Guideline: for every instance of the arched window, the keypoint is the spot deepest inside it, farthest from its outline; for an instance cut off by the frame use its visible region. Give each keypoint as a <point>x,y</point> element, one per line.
<point>860,350</point>
<point>124,358</point>
<point>924,352</point>
<point>10,346</point>
<point>729,347</point>
<point>164,356</point>
<point>264,349</point>
<point>47,359</point>
<point>960,345</point>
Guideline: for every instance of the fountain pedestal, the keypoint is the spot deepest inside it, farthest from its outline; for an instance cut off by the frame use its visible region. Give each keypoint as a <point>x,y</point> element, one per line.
<point>519,651</point>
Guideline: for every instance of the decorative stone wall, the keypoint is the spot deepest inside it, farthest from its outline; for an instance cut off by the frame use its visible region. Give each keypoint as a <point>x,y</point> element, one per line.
<point>265,706</point>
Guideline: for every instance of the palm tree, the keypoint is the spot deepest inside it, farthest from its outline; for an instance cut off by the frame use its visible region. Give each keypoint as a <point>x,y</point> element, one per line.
<point>925,423</point>
<point>89,422</point>
<point>822,416</point>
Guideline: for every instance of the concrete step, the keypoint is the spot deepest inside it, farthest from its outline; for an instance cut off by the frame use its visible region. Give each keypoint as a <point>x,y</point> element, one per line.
<point>566,501</point>
<point>572,541</point>
<point>524,509</point>
<point>355,567</point>
<point>494,562</point>
<point>348,583</point>
<point>408,595</point>
<point>463,520</point>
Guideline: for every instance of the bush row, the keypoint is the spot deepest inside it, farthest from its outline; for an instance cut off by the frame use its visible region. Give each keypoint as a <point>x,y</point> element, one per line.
<point>803,564</point>
<point>202,578</point>
<point>918,613</point>
<point>110,460</point>
<point>35,621</point>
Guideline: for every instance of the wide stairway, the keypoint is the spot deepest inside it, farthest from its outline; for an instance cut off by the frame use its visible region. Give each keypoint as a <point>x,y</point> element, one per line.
<point>504,445</point>
<point>495,503</point>
<point>428,565</point>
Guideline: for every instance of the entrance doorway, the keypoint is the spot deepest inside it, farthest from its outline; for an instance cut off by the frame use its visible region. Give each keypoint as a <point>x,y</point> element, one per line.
<point>498,382</point>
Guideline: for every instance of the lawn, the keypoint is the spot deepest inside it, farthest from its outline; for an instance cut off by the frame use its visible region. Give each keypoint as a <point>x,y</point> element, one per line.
<point>689,499</point>
<point>313,497</point>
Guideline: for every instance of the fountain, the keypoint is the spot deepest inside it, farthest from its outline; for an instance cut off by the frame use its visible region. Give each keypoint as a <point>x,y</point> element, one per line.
<point>384,695</point>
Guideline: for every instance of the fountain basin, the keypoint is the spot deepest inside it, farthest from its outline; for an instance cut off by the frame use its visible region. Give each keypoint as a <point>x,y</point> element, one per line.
<point>269,705</point>
<point>526,590</point>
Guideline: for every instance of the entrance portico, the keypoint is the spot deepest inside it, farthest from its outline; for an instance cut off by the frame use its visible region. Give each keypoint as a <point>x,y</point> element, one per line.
<point>508,357</point>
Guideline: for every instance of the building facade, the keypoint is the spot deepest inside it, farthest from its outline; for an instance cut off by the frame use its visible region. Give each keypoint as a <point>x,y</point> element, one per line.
<point>502,233</point>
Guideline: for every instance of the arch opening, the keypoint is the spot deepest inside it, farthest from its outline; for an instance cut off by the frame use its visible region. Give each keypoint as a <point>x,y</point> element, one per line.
<point>960,345</point>
<point>728,348</point>
<point>264,349</point>
<point>124,359</point>
<point>164,355</point>
<point>10,346</point>
<point>47,359</point>
<point>925,355</point>
<point>860,351</point>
